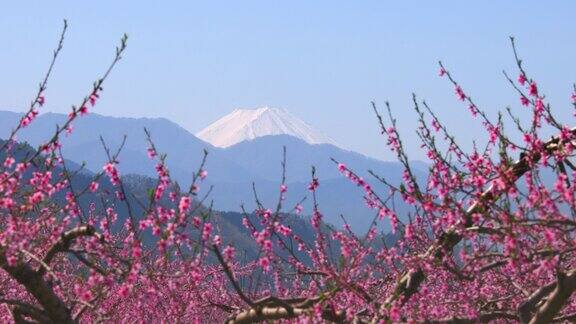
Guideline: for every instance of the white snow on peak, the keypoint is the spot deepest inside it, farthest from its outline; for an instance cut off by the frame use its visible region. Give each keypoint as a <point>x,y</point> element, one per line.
<point>248,124</point>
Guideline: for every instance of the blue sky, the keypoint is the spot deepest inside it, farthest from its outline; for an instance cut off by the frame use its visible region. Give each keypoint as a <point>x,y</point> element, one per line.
<point>324,61</point>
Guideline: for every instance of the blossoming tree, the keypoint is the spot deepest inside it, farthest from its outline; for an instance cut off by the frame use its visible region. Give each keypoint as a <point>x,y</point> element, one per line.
<point>489,237</point>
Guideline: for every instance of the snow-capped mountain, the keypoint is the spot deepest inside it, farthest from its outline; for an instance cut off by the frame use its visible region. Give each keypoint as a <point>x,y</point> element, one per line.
<point>248,124</point>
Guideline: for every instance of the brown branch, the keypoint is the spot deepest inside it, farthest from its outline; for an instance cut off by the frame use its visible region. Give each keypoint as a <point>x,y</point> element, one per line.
<point>267,313</point>
<point>42,291</point>
<point>18,314</point>
<point>65,241</point>
<point>411,280</point>
<point>565,286</point>
<point>274,308</point>
<point>566,318</point>
<point>253,315</point>
<point>526,309</point>
<point>482,318</point>
<point>22,308</point>
<point>43,265</point>
<point>231,277</point>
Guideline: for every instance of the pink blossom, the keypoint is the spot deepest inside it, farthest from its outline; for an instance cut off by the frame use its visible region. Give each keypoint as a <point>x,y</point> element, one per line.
<point>408,232</point>
<point>533,90</point>
<point>184,204</point>
<point>151,153</point>
<point>93,97</point>
<point>12,260</point>
<point>522,78</point>
<point>206,231</point>
<point>196,222</point>
<point>313,184</point>
<point>110,169</point>
<point>124,291</point>
<point>539,106</point>
<point>298,209</point>
<point>7,203</point>
<point>228,253</point>
<point>395,313</point>
<point>21,167</point>
<point>460,93</point>
<point>9,162</point>
<point>36,197</point>
<point>472,108</point>
<point>264,262</point>
<point>94,186</point>
<point>436,125</point>
<point>83,110</point>
<point>27,120</point>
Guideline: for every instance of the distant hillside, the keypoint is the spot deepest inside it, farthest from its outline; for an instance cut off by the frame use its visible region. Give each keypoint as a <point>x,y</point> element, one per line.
<point>264,154</point>
<point>227,224</point>
<point>184,150</point>
<point>232,170</point>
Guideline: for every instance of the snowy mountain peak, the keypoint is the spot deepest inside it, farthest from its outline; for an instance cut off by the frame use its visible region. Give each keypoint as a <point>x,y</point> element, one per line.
<point>247,124</point>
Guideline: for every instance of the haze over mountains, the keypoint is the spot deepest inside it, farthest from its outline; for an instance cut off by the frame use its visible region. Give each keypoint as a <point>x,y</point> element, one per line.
<point>252,153</point>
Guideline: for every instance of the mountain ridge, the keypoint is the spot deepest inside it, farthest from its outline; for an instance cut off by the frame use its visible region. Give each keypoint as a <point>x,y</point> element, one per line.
<point>232,171</point>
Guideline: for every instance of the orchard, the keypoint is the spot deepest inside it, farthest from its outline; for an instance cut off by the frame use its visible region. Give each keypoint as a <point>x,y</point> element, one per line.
<point>490,236</point>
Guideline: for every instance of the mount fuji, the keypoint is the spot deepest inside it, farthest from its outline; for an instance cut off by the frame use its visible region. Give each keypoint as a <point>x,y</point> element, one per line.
<point>247,124</point>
